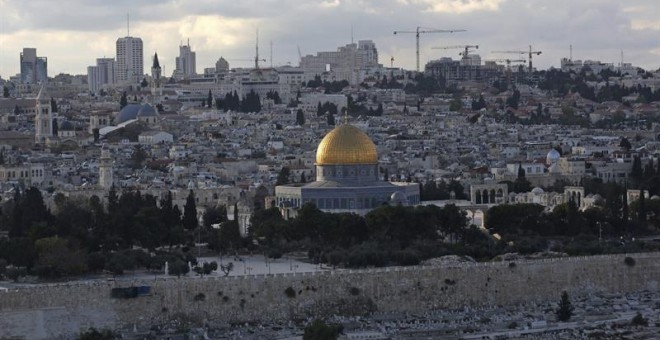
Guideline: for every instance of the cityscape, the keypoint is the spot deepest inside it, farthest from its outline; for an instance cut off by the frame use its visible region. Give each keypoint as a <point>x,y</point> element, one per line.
<point>434,182</point>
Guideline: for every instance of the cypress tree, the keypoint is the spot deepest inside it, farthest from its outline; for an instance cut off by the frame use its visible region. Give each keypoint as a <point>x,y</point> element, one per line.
<point>190,212</point>
<point>641,211</point>
<point>565,310</point>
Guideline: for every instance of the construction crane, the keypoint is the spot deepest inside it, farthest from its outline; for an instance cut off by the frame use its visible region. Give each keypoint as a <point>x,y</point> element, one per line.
<point>424,30</point>
<point>529,53</point>
<point>464,54</point>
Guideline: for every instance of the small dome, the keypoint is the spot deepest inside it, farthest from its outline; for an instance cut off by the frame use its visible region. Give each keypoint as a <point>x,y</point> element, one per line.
<point>537,191</point>
<point>67,126</point>
<point>552,156</point>
<point>398,198</point>
<point>346,144</point>
<point>129,112</point>
<point>655,197</point>
<point>147,111</point>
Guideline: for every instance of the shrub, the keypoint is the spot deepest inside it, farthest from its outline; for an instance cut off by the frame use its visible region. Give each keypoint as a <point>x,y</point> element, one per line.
<point>512,265</point>
<point>199,297</point>
<point>629,261</point>
<point>513,325</point>
<point>94,334</point>
<point>639,320</point>
<point>290,292</point>
<point>354,291</point>
<point>320,330</point>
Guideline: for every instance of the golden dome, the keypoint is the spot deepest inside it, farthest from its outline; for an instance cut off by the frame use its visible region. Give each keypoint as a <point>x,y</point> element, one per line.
<point>346,144</point>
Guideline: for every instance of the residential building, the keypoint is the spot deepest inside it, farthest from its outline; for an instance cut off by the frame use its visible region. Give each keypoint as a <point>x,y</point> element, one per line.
<point>185,62</point>
<point>34,70</point>
<point>104,73</point>
<point>130,60</point>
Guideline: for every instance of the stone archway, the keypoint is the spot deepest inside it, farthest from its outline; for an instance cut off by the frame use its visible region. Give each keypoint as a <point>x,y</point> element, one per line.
<point>489,193</point>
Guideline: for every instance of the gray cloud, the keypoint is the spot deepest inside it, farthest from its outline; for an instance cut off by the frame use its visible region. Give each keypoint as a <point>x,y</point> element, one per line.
<point>597,29</point>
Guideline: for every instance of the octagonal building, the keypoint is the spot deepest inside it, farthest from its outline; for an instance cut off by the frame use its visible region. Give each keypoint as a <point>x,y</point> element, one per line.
<point>347,178</point>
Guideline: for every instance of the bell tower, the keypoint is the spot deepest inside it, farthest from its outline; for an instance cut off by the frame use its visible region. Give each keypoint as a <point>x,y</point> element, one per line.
<point>156,81</point>
<point>43,121</point>
<point>105,168</point>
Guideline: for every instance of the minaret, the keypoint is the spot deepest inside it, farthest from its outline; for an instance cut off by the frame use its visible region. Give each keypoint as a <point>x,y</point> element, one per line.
<point>156,89</point>
<point>105,168</point>
<point>43,121</point>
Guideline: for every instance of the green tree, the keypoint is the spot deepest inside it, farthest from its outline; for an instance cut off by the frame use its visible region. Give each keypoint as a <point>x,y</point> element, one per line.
<point>522,184</point>
<point>53,105</point>
<point>190,212</point>
<point>637,173</point>
<point>456,104</point>
<point>331,119</point>
<point>138,157</point>
<point>123,101</point>
<point>178,267</point>
<point>641,207</point>
<point>625,144</point>
<point>209,100</point>
<point>283,177</point>
<point>5,92</point>
<point>144,83</point>
<point>230,235</point>
<point>57,258</point>
<point>300,117</point>
<point>565,309</point>
<point>214,215</point>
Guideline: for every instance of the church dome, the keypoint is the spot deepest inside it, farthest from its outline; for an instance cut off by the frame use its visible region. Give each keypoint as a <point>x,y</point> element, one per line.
<point>67,126</point>
<point>146,111</point>
<point>129,112</point>
<point>552,157</point>
<point>346,144</point>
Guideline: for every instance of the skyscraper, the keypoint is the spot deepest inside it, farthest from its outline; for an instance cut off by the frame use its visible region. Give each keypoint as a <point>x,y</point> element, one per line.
<point>33,69</point>
<point>185,62</point>
<point>103,73</point>
<point>130,60</point>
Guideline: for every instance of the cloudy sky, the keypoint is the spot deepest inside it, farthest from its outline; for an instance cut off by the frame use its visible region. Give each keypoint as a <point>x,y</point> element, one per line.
<point>73,33</point>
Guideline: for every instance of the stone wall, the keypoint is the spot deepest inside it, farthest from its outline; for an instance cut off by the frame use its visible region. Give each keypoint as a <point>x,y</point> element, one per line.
<point>64,309</point>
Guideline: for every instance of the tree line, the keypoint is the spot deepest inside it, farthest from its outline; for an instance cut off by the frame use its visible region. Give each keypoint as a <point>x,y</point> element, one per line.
<point>81,236</point>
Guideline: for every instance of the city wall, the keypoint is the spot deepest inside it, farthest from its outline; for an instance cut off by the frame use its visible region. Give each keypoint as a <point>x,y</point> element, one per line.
<point>53,310</point>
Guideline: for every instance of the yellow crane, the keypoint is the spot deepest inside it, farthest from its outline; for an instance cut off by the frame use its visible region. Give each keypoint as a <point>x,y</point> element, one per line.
<point>530,53</point>
<point>424,30</point>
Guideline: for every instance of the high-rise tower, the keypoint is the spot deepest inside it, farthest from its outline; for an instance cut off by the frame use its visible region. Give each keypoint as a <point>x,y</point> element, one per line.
<point>130,60</point>
<point>34,69</point>
<point>185,62</point>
